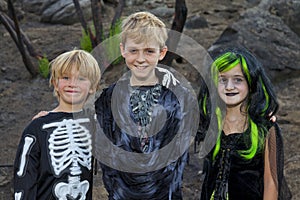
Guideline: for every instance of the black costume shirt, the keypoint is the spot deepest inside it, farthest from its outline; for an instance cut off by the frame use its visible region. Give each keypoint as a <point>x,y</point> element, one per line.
<point>231,177</point>
<point>53,159</point>
<point>162,183</point>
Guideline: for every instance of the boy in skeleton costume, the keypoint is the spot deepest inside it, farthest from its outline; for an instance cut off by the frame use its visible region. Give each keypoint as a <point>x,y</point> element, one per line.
<point>54,157</point>
<point>146,116</point>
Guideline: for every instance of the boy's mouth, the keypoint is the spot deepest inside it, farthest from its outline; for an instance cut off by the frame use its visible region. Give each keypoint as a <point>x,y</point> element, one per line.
<point>140,67</point>
<point>72,91</point>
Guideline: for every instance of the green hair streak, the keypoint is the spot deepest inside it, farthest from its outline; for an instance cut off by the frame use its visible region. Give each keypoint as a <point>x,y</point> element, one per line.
<point>245,69</point>
<point>223,63</point>
<point>218,143</point>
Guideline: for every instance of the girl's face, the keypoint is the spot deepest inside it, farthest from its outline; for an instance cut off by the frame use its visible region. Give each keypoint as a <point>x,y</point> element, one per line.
<point>232,87</point>
<point>73,90</point>
<point>141,59</point>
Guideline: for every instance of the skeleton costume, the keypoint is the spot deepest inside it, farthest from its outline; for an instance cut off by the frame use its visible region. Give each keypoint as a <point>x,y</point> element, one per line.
<point>54,158</point>
<point>141,105</point>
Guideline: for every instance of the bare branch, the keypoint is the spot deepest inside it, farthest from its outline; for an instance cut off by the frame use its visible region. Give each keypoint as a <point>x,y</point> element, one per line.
<point>97,19</point>
<point>84,25</point>
<point>118,13</point>
<point>177,25</point>
<point>26,59</point>
<point>5,20</point>
<point>11,28</point>
<point>80,16</point>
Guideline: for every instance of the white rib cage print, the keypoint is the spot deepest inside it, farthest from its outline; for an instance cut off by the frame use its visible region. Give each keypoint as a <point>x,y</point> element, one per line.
<point>70,144</point>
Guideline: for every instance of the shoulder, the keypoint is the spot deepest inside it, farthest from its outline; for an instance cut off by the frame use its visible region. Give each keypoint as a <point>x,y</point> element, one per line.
<point>49,118</point>
<point>36,125</point>
<point>274,137</point>
<point>274,131</point>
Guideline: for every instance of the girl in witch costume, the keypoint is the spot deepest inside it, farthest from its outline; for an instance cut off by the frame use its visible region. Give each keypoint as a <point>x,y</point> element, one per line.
<point>54,157</point>
<point>146,116</point>
<point>247,160</point>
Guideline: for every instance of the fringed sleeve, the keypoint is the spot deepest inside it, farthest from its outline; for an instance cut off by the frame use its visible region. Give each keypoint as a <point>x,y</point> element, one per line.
<point>276,158</point>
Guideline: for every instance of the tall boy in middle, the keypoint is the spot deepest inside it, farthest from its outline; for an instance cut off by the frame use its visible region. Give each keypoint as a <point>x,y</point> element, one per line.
<point>143,115</point>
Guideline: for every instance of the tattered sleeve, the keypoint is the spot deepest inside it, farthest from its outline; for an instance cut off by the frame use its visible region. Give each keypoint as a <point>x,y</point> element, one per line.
<point>276,159</point>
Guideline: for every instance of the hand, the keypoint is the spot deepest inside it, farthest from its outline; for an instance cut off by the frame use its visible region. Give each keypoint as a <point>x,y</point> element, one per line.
<point>273,118</point>
<point>168,77</point>
<point>40,114</point>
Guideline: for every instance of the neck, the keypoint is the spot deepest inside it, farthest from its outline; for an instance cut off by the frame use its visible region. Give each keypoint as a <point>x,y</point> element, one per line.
<point>149,81</point>
<point>235,121</point>
<point>68,109</point>
<point>235,112</point>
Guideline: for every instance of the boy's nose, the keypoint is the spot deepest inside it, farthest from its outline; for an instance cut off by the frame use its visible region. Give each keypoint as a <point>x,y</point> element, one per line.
<point>73,82</point>
<point>141,56</point>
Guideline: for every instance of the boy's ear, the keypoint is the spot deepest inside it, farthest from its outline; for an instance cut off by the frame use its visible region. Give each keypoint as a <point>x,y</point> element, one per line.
<point>55,84</point>
<point>92,90</point>
<point>163,52</point>
<point>122,50</point>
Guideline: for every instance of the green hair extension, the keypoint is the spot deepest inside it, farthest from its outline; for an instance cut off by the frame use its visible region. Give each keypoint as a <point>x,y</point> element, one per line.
<point>223,63</point>
<point>218,142</point>
<point>255,141</point>
<point>245,69</point>
<point>250,153</point>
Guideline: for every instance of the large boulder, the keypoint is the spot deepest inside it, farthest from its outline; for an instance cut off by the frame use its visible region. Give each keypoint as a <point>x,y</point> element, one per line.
<point>57,11</point>
<point>288,11</point>
<point>33,6</point>
<point>63,12</point>
<point>268,37</point>
<point>3,6</point>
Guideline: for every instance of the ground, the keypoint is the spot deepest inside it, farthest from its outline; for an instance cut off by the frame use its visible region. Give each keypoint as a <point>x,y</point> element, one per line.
<point>22,96</point>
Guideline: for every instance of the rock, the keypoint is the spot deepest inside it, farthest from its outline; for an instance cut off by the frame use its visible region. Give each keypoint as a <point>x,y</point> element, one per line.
<point>4,180</point>
<point>163,12</point>
<point>289,12</point>
<point>196,22</point>
<point>133,2</point>
<point>33,6</point>
<point>266,35</point>
<point>3,6</point>
<point>63,12</point>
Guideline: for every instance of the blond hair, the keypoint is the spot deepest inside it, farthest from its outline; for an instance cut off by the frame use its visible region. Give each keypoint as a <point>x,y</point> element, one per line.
<point>84,62</point>
<point>144,27</point>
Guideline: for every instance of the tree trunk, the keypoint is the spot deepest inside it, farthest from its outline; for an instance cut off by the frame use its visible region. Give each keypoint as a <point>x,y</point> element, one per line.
<point>117,16</point>
<point>86,29</point>
<point>97,20</point>
<point>17,37</point>
<point>174,37</point>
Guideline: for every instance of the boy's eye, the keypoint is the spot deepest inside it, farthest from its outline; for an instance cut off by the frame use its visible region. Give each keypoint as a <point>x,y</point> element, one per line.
<point>82,78</point>
<point>65,77</point>
<point>150,51</point>
<point>132,50</point>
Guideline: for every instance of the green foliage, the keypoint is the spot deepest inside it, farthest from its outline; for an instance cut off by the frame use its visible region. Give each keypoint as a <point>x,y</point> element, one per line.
<point>113,47</point>
<point>44,66</point>
<point>85,42</point>
<point>110,44</point>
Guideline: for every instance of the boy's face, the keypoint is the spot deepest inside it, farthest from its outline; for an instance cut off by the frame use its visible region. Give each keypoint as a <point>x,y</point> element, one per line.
<point>73,90</point>
<point>142,59</point>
